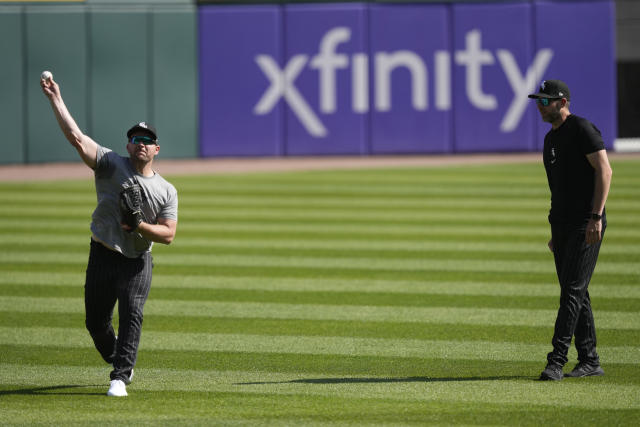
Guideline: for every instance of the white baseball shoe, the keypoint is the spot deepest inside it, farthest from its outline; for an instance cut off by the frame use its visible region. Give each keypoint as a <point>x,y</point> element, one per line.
<point>117,388</point>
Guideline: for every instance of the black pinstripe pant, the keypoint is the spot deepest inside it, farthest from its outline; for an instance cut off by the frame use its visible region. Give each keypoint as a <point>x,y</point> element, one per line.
<point>113,277</point>
<point>575,261</point>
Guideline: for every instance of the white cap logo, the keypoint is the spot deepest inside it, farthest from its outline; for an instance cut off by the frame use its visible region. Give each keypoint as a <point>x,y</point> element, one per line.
<point>143,125</point>
<point>544,83</point>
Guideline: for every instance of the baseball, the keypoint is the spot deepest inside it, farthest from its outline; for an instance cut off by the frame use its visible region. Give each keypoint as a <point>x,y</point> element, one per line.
<point>46,75</point>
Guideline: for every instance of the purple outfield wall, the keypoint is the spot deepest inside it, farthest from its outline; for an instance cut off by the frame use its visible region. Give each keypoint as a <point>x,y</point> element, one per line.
<point>323,79</point>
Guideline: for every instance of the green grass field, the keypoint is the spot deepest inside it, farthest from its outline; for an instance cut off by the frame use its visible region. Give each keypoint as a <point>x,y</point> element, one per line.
<point>388,296</point>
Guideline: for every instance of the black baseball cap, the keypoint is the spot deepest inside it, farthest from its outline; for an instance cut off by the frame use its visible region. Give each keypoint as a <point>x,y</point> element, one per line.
<point>145,127</point>
<point>552,89</point>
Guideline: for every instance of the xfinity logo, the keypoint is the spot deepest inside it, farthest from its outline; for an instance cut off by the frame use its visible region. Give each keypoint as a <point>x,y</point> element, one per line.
<point>327,61</point>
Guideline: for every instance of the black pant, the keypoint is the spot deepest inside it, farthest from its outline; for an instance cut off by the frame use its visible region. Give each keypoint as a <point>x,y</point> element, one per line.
<point>575,261</point>
<point>111,276</point>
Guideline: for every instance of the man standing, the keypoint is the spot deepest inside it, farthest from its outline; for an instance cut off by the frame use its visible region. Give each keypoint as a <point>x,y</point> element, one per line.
<point>579,177</point>
<point>136,207</point>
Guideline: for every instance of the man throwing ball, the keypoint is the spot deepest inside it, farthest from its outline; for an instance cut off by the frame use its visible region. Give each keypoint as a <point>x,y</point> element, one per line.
<point>136,207</point>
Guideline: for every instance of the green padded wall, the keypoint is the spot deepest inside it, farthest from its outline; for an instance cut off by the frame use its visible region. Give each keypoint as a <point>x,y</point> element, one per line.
<point>56,42</point>
<point>120,75</point>
<point>116,64</point>
<point>175,81</point>
<point>146,70</point>
<point>12,106</point>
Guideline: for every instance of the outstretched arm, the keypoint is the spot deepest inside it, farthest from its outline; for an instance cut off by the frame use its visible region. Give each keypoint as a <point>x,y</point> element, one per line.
<point>87,148</point>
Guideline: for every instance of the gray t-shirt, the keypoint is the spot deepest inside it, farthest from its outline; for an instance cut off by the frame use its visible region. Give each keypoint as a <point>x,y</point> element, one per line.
<point>160,200</point>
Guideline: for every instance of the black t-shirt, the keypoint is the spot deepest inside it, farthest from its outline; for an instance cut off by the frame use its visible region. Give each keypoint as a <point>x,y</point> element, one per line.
<point>571,177</point>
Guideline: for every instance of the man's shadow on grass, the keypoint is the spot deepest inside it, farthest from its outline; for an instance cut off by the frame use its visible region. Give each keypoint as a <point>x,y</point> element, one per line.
<point>365,380</point>
<point>55,390</point>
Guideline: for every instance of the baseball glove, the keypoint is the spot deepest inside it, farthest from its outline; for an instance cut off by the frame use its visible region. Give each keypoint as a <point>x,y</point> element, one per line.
<point>131,206</point>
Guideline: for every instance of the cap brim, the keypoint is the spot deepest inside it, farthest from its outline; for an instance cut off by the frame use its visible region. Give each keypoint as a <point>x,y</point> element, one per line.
<point>141,129</point>
<point>541,95</point>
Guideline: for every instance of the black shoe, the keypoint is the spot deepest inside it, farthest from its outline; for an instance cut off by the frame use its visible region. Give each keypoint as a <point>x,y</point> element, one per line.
<point>586,370</point>
<point>552,373</point>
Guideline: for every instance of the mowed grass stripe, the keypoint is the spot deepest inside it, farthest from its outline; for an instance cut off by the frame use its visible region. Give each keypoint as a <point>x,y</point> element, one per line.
<point>442,315</point>
<point>468,232</point>
<point>354,224</point>
<point>313,188</point>
<point>409,175</point>
<point>335,232</point>
<point>393,216</point>
<point>518,248</point>
<point>493,175</point>
<point>337,328</point>
<point>336,252</point>
<point>382,299</point>
<point>178,271</point>
<point>444,218</point>
<point>304,212</point>
<point>431,254</point>
<point>213,201</point>
<point>214,243</point>
<point>328,364</point>
<point>229,408</point>
<point>431,249</point>
<point>347,346</point>
<point>446,251</point>
<point>617,206</point>
<point>318,263</point>
<point>331,285</point>
<point>24,241</point>
<point>376,368</point>
<point>336,249</point>
<point>476,389</point>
